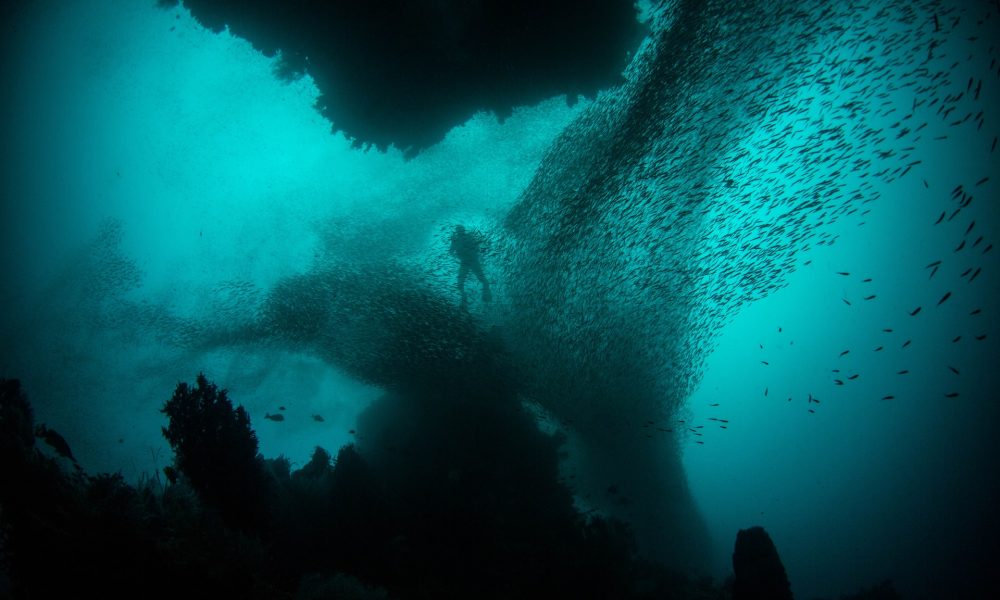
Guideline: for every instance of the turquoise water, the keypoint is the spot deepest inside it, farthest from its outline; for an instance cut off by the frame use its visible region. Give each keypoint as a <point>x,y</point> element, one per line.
<point>160,184</point>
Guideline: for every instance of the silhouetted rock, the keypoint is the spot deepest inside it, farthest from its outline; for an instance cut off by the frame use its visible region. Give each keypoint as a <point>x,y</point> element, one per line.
<point>404,73</point>
<point>759,572</point>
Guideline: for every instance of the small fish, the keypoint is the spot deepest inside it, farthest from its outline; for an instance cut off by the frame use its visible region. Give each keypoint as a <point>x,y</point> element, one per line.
<point>872,297</point>
<point>765,391</point>
<point>906,343</point>
<point>888,397</point>
<point>844,273</point>
<point>976,274</point>
<point>988,248</point>
<point>971,225</point>
<point>846,301</point>
<point>765,363</point>
<point>779,329</point>
<point>281,408</point>
<point>953,370</point>
<point>975,312</point>
<point>943,298</point>
<point>276,418</point>
<point>838,382</point>
<point>318,418</point>
<point>915,311</point>
<point>879,349</point>
<point>957,337</point>
<point>699,442</point>
<point>960,246</point>
<point>868,280</point>
<point>982,181</point>
<point>941,218</point>
<point>933,264</point>
<point>976,243</point>
<point>933,272</point>
<point>845,353</point>
<point>887,330</point>
<point>352,432</point>
<point>855,376</point>
<point>812,411</point>
<point>903,372</point>
<point>716,404</point>
<point>980,338</point>
<point>951,395</point>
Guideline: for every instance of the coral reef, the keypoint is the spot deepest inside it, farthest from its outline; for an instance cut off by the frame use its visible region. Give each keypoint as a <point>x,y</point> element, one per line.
<point>453,495</point>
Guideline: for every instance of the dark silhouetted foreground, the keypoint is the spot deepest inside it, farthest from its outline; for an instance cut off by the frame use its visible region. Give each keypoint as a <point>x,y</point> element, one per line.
<point>451,495</point>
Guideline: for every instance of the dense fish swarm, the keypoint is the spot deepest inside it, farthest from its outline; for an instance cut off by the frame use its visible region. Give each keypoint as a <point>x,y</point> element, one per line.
<point>743,136</point>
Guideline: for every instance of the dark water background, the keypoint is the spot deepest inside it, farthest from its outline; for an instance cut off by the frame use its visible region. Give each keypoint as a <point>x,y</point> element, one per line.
<point>158,175</point>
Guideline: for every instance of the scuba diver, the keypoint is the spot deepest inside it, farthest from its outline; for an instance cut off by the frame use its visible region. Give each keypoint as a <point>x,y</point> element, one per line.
<point>466,247</point>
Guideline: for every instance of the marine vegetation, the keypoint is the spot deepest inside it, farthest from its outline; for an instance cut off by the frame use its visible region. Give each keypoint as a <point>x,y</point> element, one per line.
<point>451,495</point>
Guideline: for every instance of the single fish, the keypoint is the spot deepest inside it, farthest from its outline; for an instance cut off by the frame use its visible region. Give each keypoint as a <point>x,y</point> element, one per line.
<point>275,418</point>
<point>915,311</point>
<point>318,418</point>
<point>943,298</point>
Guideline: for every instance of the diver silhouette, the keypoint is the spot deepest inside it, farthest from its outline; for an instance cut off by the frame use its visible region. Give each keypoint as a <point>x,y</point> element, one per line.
<point>466,247</point>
